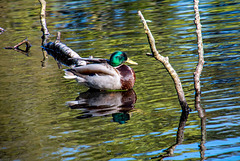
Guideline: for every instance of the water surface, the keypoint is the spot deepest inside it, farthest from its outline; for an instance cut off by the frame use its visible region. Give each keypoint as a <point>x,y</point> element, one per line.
<point>37,124</point>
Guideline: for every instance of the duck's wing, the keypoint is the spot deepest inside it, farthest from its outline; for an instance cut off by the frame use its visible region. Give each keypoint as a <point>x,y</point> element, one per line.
<point>99,69</point>
<point>91,60</point>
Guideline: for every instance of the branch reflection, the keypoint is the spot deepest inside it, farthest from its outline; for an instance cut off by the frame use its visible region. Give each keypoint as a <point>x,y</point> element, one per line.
<point>101,103</point>
<point>202,116</point>
<point>44,30</point>
<point>18,49</point>
<point>179,138</point>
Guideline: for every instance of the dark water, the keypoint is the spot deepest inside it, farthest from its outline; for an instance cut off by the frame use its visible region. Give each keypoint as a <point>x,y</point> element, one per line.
<point>36,123</point>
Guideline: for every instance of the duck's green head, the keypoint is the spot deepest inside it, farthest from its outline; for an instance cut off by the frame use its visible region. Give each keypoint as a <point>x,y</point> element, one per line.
<point>119,57</point>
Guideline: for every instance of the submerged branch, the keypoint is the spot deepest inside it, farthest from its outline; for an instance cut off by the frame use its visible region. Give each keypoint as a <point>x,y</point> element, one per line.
<point>165,62</point>
<point>17,47</point>
<point>61,53</point>
<point>25,41</point>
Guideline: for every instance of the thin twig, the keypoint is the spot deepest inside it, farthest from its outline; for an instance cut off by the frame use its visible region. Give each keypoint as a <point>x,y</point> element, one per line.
<point>165,62</point>
<point>44,30</point>
<point>25,41</point>
<point>199,67</point>
<point>16,47</point>
<point>43,17</point>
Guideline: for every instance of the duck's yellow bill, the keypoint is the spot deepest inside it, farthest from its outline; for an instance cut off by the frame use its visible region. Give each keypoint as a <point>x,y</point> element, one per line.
<point>131,62</point>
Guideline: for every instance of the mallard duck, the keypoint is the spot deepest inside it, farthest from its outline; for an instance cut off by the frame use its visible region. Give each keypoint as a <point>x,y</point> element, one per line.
<point>105,74</point>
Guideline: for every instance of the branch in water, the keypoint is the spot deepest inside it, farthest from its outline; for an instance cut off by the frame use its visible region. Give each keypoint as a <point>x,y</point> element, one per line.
<point>63,54</point>
<point>17,47</point>
<point>43,17</point>
<point>165,62</point>
<point>199,67</point>
<point>197,85</point>
<point>44,29</point>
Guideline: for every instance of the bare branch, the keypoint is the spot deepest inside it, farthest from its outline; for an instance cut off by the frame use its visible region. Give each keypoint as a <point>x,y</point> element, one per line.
<point>43,17</point>
<point>25,41</point>
<point>197,73</point>
<point>165,62</point>
<point>199,67</point>
<point>44,30</point>
<point>16,47</point>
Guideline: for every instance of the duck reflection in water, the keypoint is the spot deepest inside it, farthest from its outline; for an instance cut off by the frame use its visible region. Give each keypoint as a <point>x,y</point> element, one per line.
<point>103,103</point>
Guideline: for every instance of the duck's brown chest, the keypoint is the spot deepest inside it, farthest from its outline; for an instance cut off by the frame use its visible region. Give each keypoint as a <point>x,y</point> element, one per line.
<point>127,76</point>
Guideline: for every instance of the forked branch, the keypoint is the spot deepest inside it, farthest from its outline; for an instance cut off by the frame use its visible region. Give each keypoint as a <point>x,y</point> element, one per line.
<point>167,65</point>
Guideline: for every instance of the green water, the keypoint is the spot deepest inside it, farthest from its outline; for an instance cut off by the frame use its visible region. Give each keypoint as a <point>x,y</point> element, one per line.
<point>36,123</point>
